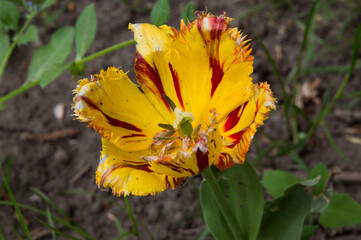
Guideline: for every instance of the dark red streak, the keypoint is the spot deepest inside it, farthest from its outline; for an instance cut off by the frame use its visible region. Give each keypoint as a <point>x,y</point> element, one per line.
<point>141,66</point>
<point>236,137</point>
<point>233,118</point>
<point>134,135</point>
<point>176,85</point>
<point>217,74</point>
<point>202,160</point>
<point>112,121</point>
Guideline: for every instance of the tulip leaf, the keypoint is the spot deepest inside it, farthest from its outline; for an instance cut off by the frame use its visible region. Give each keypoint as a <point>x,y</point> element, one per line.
<point>160,13</point>
<point>284,217</point>
<point>188,12</point>
<point>31,35</point>
<point>9,15</point>
<point>85,29</point>
<point>342,211</point>
<point>243,191</point>
<point>55,52</point>
<point>277,181</point>
<point>322,171</point>
<point>308,231</point>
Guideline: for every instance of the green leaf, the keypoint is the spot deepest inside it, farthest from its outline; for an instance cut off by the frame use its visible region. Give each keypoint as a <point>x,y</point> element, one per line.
<point>310,182</point>
<point>308,231</point>
<point>53,72</point>
<point>55,52</point>
<point>31,35</point>
<point>160,13</point>
<point>319,170</point>
<point>85,29</point>
<point>9,15</point>
<point>342,211</point>
<point>188,12</point>
<point>321,202</point>
<point>277,181</point>
<point>244,195</point>
<point>4,45</point>
<point>283,218</point>
<point>47,3</point>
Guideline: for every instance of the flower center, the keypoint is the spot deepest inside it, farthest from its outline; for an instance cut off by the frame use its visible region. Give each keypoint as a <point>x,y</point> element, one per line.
<point>183,122</point>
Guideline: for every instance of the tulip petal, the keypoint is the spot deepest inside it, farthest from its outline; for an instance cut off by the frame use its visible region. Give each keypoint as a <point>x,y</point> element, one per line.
<point>240,141</point>
<point>203,66</point>
<point>117,109</point>
<point>151,66</point>
<point>127,173</point>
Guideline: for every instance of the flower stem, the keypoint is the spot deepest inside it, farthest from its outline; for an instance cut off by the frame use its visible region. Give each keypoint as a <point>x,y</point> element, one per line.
<point>221,201</point>
<point>18,91</point>
<point>105,51</point>
<point>15,42</point>
<point>135,229</point>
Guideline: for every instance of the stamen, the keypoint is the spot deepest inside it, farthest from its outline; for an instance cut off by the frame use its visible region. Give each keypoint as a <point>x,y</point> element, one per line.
<point>165,126</point>
<point>169,101</point>
<point>196,130</point>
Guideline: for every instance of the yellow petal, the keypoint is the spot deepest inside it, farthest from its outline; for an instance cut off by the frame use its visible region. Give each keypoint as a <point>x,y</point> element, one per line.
<point>151,66</point>
<point>263,102</point>
<point>115,107</point>
<point>127,173</point>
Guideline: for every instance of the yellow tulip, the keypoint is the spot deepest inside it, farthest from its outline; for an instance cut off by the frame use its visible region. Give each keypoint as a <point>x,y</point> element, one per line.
<point>197,106</point>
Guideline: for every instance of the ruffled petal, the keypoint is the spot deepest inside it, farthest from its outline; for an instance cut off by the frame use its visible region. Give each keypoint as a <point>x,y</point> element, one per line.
<point>203,66</point>
<point>117,109</point>
<point>237,142</point>
<point>151,66</point>
<point>127,173</point>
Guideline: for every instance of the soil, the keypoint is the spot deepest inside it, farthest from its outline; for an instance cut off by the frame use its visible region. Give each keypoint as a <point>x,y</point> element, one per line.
<point>60,156</point>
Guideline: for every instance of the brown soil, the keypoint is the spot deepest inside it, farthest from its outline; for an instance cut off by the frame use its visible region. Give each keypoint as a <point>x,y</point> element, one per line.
<point>68,159</point>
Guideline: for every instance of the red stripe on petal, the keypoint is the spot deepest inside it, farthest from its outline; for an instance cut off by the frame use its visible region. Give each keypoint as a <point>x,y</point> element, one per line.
<point>202,160</point>
<point>134,135</point>
<point>176,85</point>
<point>112,121</point>
<point>225,161</point>
<point>236,137</point>
<point>142,66</point>
<point>217,26</point>
<point>217,74</point>
<point>234,117</point>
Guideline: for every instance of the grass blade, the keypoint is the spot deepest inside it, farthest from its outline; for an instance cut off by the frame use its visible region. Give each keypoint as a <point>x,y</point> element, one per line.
<point>53,229</point>
<point>356,47</point>
<point>122,233</point>
<point>51,223</point>
<point>332,142</point>
<point>16,206</point>
<point>49,202</point>
<point>297,79</point>
<point>131,217</point>
<point>67,224</point>
<point>294,155</point>
<point>286,97</point>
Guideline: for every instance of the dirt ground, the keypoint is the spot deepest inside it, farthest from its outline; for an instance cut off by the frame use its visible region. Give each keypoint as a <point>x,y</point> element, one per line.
<point>63,166</point>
